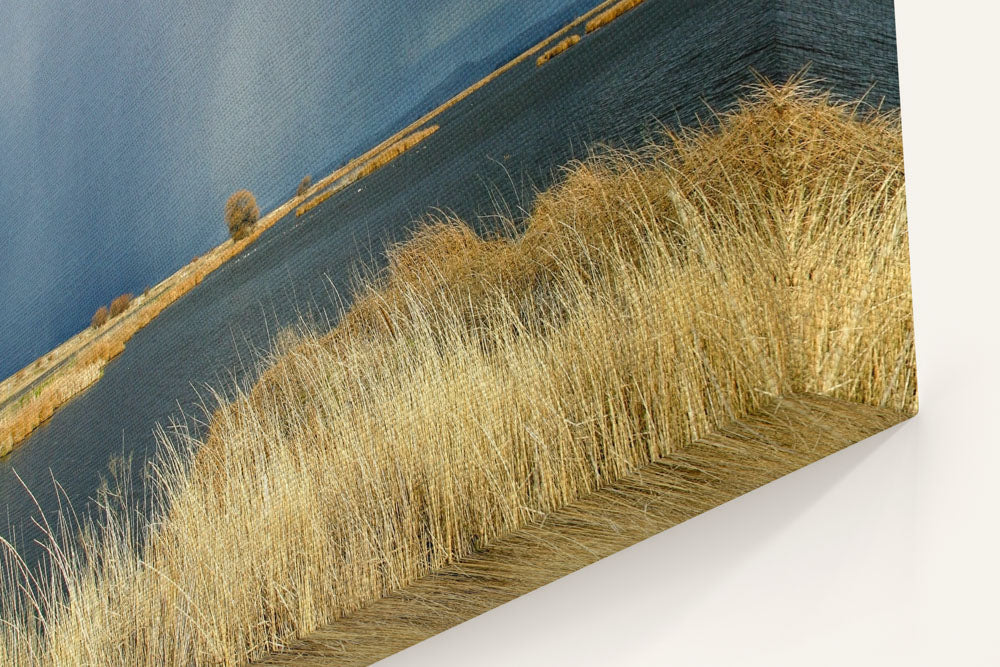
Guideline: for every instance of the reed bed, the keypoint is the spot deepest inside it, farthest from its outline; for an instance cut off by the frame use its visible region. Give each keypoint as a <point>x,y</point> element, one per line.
<point>39,404</point>
<point>609,15</point>
<point>562,45</point>
<point>362,169</point>
<point>479,383</point>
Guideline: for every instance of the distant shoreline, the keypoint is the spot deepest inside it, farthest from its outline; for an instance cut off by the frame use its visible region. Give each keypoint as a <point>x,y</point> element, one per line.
<point>32,395</point>
<point>29,397</point>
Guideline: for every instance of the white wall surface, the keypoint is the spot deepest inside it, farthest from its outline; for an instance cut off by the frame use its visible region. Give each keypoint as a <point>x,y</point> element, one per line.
<point>887,553</point>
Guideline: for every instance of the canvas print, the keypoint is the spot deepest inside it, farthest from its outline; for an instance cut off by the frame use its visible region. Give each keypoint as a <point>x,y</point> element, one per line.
<point>328,327</point>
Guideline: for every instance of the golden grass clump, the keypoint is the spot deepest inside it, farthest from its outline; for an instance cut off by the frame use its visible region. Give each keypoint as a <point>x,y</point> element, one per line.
<point>609,15</point>
<point>478,384</point>
<point>561,46</point>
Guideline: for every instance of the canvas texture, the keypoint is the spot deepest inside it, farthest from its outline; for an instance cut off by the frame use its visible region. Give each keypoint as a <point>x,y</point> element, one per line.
<point>328,328</point>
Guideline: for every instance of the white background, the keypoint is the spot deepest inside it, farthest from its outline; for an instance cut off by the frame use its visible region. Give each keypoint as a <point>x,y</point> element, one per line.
<point>886,553</point>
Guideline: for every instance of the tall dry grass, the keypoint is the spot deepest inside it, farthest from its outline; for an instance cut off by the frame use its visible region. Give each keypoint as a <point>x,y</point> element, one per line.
<point>478,383</point>
<point>610,14</point>
<point>561,46</point>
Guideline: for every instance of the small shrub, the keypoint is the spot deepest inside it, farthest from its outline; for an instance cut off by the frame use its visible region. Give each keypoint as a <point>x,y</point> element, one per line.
<point>100,318</point>
<point>120,304</point>
<point>304,186</point>
<point>241,213</point>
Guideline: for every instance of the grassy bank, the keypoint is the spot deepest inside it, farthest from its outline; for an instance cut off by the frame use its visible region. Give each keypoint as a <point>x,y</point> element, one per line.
<point>560,47</point>
<point>478,384</point>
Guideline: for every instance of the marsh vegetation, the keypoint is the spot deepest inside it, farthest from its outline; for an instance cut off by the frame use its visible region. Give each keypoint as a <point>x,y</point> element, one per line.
<point>610,14</point>
<point>481,382</point>
<point>560,47</point>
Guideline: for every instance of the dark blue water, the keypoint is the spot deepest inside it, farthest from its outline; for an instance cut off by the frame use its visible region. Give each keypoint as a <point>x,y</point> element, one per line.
<point>661,63</point>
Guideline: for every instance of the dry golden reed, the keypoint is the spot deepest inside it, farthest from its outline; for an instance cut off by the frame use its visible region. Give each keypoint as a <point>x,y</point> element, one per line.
<point>561,46</point>
<point>611,14</point>
<point>478,384</point>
